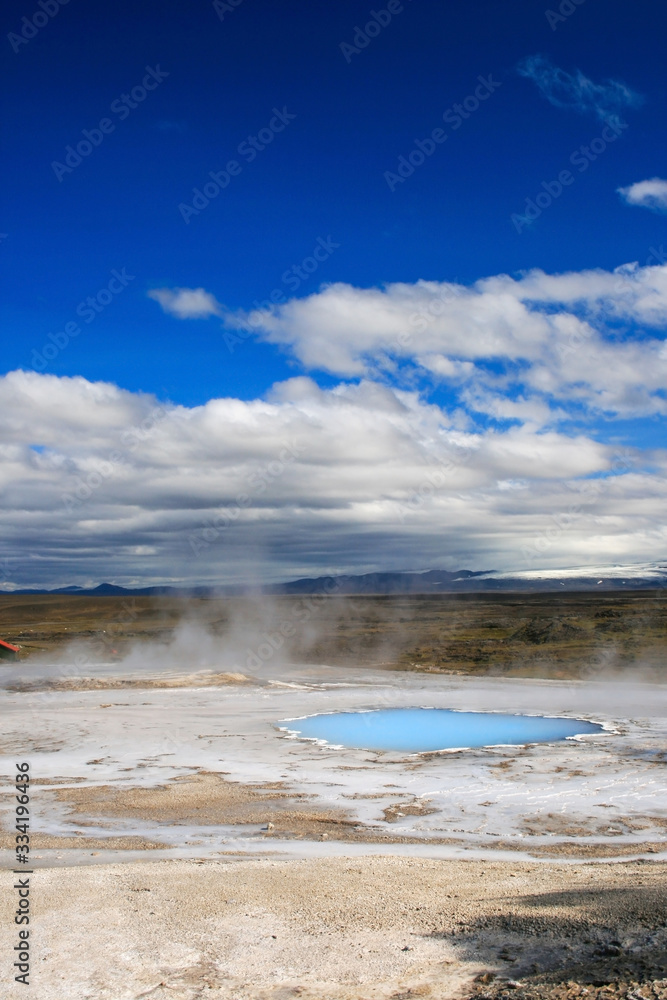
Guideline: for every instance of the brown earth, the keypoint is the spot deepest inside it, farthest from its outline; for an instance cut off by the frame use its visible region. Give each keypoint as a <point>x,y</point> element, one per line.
<point>208,799</point>
<point>539,635</point>
<point>373,928</point>
<point>201,679</point>
<point>79,842</point>
<point>343,929</point>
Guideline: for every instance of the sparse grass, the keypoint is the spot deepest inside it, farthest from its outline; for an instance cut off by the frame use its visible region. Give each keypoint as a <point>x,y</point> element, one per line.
<point>565,635</point>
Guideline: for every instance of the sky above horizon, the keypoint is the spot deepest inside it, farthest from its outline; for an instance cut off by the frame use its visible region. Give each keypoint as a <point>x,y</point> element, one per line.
<point>294,290</point>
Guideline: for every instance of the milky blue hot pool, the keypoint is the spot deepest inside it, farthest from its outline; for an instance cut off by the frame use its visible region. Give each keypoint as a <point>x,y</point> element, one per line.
<point>419,730</point>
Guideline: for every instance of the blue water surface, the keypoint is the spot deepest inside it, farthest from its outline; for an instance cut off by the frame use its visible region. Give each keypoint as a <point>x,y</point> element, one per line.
<point>417,730</point>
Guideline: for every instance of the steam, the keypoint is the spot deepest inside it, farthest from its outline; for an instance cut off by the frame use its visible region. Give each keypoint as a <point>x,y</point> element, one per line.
<point>327,638</point>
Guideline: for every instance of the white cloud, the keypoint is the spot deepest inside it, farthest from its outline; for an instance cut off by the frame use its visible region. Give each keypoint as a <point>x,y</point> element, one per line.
<point>577,92</point>
<point>351,478</point>
<point>552,336</point>
<point>186,303</point>
<point>647,194</point>
<point>97,482</point>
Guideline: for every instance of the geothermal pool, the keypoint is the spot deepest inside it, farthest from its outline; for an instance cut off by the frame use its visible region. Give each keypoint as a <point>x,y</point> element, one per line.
<point>420,730</point>
<point>597,796</point>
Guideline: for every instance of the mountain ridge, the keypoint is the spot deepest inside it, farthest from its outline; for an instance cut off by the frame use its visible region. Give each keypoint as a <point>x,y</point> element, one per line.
<point>386,583</point>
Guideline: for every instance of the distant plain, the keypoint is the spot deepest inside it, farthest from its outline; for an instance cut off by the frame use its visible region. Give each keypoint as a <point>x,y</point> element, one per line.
<point>520,635</point>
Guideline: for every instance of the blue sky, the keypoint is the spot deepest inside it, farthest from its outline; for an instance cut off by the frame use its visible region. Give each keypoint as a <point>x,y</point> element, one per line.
<point>326,188</point>
<point>323,176</point>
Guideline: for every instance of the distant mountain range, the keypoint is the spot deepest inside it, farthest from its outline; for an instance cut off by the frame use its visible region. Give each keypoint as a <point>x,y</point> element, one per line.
<point>431,582</point>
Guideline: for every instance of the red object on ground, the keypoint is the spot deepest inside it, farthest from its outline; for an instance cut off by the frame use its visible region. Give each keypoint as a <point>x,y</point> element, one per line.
<point>7,651</point>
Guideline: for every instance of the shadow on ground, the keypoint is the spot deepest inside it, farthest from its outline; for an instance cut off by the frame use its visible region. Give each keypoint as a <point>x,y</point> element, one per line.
<point>611,943</point>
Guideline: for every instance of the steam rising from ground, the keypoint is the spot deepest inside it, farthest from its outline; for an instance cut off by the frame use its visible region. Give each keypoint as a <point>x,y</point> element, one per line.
<point>258,638</point>
<point>296,640</point>
<point>147,759</point>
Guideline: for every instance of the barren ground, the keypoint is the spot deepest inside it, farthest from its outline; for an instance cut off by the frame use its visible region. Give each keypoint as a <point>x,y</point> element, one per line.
<point>184,849</point>
<point>343,929</point>
<point>527,635</point>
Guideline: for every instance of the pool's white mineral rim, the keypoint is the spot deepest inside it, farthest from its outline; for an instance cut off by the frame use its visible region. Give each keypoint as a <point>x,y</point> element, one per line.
<point>425,729</point>
<point>604,788</point>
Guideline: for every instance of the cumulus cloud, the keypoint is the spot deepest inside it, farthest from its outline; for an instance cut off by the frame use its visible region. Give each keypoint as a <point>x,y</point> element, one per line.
<point>186,303</point>
<point>547,336</point>
<point>647,194</point>
<point>309,480</point>
<point>369,473</point>
<point>577,92</point>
